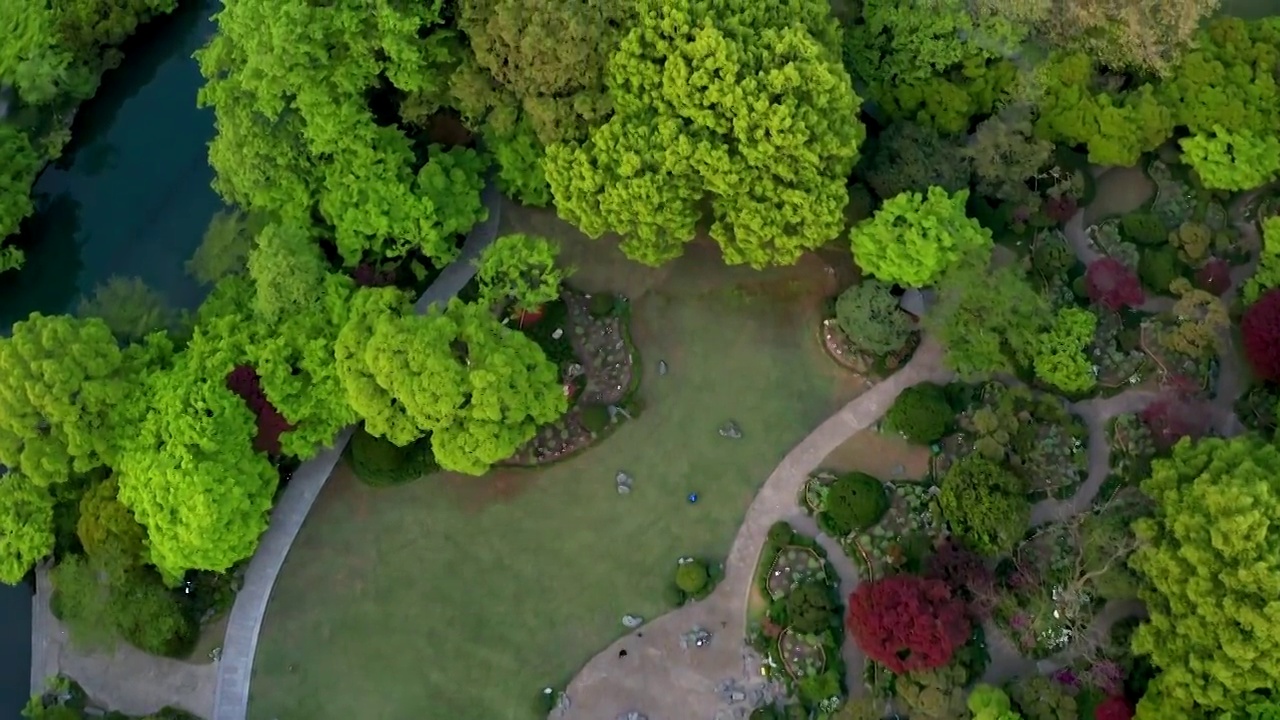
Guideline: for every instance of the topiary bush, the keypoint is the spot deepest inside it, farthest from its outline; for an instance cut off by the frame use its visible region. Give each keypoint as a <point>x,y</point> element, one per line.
<point>921,413</point>
<point>595,418</point>
<point>1260,328</point>
<point>380,463</point>
<point>871,319</point>
<point>781,533</point>
<point>692,577</point>
<point>855,502</point>
<point>601,304</point>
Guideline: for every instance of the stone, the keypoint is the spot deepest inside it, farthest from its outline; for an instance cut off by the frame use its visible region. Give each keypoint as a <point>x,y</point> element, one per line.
<point>622,478</point>
<point>632,621</point>
<point>624,489</point>
<point>898,470</point>
<point>559,333</point>
<point>563,703</point>
<point>730,430</point>
<point>633,715</point>
<point>662,367</point>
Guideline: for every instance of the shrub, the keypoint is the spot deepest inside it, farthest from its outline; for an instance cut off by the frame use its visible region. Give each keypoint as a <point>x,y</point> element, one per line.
<point>811,608</point>
<point>1111,284</point>
<point>935,693</point>
<point>871,319</point>
<point>134,605</point>
<point>855,502</point>
<point>1260,327</point>
<point>921,413</point>
<point>1171,418</point>
<point>1144,228</point>
<point>966,573</point>
<point>1061,360</point>
<point>1214,276</point>
<point>1051,256</point>
<point>780,533</point>
<point>692,577</point>
<point>1158,268</point>
<point>595,418</point>
<point>380,463</point>
<point>984,504</point>
<point>601,304</point>
<point>1039,698</point>
<point>907,623</point>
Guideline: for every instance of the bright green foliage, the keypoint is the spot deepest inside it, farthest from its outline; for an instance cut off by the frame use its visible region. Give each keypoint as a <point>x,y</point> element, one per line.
<point>1039,698</point>
<point>135,606</point>
<point>1158,268</point>
<point>1232,161</point>
<point>1267,275</point>
<point>31,58</point>
<point>519,156</point>
<point>1143,228</point>
<point>921,413</point>
<point>225,248</point>
<point>1006,156</point>
<point>1116,128</point>
<point>913,158</point>
<point>288,269</point>
<point>112,538</point>
<point>189,473</point>
<point>990,703</point>
<point>912,239</point>
<point>1061,359</point>
<point>988,321</point>
<point>871,318</point>
<point>480,388</point>
<point>130,308</point>
<point>740,102</point>
<point>1227,82</point>
<point>937,66</point>
<point>60,379</point>
<point>1211,560</point>
<point>26,526</point>
<point>17,175</point>
<point>855,502</point>
<point>521,268</point>
<point>296,136</point>
<point>692,577</point>
<point>985,505</point>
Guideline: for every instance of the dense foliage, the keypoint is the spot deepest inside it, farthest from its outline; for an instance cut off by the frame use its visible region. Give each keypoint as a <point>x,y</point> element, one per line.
<point>921,413</point>
<point>907,623</point>
<point>984,504</point>
<point>871,318</point>
<point>913,238</point>
<point>1260,328</point>
<point>855,502</point>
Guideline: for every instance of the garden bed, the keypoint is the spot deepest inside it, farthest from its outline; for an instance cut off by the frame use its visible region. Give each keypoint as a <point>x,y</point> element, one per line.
<point>837,345</point>
<point>793,565</point>
<point>802,655</point>
<point>903,536</point>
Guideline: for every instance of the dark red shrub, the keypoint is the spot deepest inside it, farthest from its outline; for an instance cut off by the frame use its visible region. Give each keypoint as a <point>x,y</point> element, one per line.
<point>1111,284</point>
<point>1173,417</point>
<point>1214,276</point>
<point>369,275</point>
<point>908,623</point>
<point>245,382</point>
<point>1113,708</point>
<point>1260,327</point>
<point>1060,209</point>
<point>966,573</point>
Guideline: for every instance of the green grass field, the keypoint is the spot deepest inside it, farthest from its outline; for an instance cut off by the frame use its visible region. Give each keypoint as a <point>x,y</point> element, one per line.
<point>460,598</point>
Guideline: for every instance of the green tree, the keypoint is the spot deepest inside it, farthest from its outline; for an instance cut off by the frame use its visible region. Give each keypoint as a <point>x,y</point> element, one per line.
<point>751,111</point>
<point>32,59</point>
<point>991,703</point>
<point>811,609</point>
<point>288,270</point>
<point>1006,155</point>
<point>1225,84</point>
<point>988,321</point>
<point>113,540</point>
<point>521,268</point>
<point>1268,274</point>
<point>871,319</point>
<point>1210,557</point>
<point>913,158</point>
<point>383,415</point>
<point>128,306</point>
<point>1232,161</point>
<point>26,526</point>
<point>22,164</point>
<point>224,250</point>
<point>984,504</point>
<point>1061,359</point>
<point>921,413</point>
<point>912,239</point>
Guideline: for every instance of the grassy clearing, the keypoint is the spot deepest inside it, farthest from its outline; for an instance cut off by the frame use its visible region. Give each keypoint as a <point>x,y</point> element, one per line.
<point>461,597</point>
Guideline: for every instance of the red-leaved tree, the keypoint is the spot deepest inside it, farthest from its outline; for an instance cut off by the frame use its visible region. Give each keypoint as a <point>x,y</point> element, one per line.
<point>244,381</point>
<point>1173,417</point>
<point>1113,708</point>
<point>1214,276</point>
<point>1111,284</point>
<point>966,573</point>
<point>1060,209</point>
<point>1261,330</point>
<point>908,623</point>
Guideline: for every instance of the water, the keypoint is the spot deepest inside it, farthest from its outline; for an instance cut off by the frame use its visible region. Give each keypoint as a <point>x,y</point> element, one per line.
<point>130,196</point>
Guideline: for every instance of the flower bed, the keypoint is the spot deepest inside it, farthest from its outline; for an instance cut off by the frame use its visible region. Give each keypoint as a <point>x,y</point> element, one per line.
<point>904,534</point>
<point>801,654</point>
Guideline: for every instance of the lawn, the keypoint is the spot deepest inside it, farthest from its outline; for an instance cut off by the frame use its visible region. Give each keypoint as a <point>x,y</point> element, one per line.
<point>459,598</point>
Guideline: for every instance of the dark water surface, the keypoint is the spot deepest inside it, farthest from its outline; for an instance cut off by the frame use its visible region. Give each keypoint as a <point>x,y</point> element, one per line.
<point>129,197</point>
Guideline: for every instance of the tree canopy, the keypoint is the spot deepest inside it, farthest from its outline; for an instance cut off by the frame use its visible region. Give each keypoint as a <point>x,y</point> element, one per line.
<point>741,102</point>
<point>521,268</point>
<point>913,238</point>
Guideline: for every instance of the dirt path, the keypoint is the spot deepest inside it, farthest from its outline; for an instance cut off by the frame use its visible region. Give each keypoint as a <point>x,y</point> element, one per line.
<point>656,676</point>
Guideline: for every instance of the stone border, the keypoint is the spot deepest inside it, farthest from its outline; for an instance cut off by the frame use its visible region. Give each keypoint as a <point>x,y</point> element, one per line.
<point>235,667</point>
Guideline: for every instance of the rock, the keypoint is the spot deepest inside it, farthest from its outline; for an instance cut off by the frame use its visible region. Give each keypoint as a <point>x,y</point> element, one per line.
<point>622,478</point>
<point>633,715</point>
<point>563,703</point>
<point>730,430</point>
<point>615,410</point>
<point>624,489</point>
<point>632,621</point>
<point>898,470</point>
<point>559,333</point>
<point>662,367</point>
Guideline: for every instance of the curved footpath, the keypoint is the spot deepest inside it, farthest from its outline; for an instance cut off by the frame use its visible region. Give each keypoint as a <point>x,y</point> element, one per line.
<point>235,667</point>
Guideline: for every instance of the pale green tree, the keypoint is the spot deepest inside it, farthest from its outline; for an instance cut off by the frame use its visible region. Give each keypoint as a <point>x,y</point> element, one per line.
<point>18,174</point>
<point>913,238</point>
<point>224,249</point>
<point>1267,275</point>
<point>1232,161</point>
<point>1060,353</point>
<point>129,307</point>
<point>521,268</point>
<point>288,269</point>
<point>26,526</point>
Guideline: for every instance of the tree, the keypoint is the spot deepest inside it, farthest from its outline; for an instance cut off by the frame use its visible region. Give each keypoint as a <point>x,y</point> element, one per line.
<point>1232,161</point>
<point>921,413</point>
<point>907,623</point>
<point>1260,328</point>
<point>61,381</point>
<point>1225,84</point>
<point>984,504</point>
<point>988,322</point>
<point>224,250</point>
<point>692,576</point>
<point>1267,275</point>
<point>1210,556</point>
<point>1192,240</point>
<point>26,526</point>
<point>113,540</point>
<point>1061,359</point>
<point>1172,417</point>
<point>32,60</point>
<point>991,703</point>
<point>913,158</point>
<point>384,415</point>
<point>521,268</point>
<point>1006,155</point>
<point>752,111</point>
<point>1200,320</point>
<point>288,270</point>
<point>1113,708</point>
<point>22,164</point>
<point>966,573</point>
<point>912,239</point>
<point>936,694</point>
<point>135,606</point>
<point>1112,284</point>
<point>130,308</point>
<point>811,609</point>
<point>871,319</point>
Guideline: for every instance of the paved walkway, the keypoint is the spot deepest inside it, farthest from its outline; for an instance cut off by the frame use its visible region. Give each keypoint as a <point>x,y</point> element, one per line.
<point>665,682</point>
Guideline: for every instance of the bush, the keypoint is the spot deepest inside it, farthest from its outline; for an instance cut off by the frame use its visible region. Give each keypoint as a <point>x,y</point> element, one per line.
<point>602,304</point>
<point>811,609</point>
<point>871,320</point>
<point>921,413</point>
<point>780,533</point>
<point>1051,256</point>
<point>855,502</point>
<point>380,463</point>
<point>1158,268</point>
<point>595,418</point>
<point>1111,284</point>
<point>1144,228</point>
<point>135,605</point>
<point>692,577</point>
<point>1039,698</point>
<point>1260,327</point>
<point>984,504</point>
<point>908,623</point>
